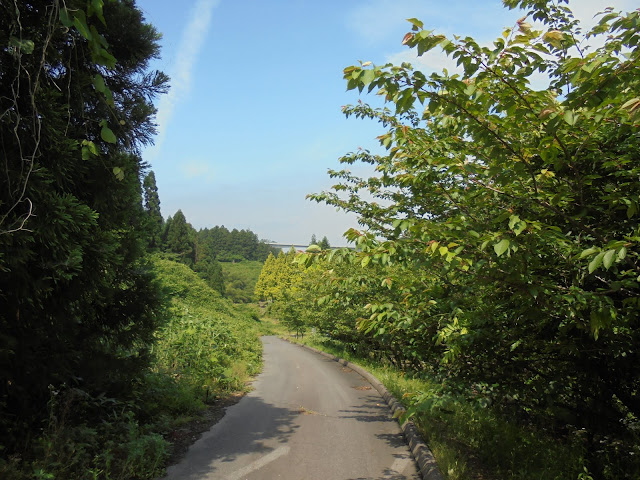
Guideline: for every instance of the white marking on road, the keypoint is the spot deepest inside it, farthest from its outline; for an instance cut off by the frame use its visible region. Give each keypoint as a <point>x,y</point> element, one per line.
<point>399,465</point>
<point>258,464</point>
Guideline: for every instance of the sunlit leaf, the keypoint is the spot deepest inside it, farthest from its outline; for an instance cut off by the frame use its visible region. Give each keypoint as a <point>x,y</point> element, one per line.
<point>107,135</point>
<point>501,246</point>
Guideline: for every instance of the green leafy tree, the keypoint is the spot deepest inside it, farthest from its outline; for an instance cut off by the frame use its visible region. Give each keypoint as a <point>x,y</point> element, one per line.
<point>265,278</point>
<point>279,275</point>
<point>78,307</point>
<point>509,248</point>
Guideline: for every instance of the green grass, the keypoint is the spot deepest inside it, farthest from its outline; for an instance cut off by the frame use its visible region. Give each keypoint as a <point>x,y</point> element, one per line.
<point>207,343</point>
<point>470,441</point>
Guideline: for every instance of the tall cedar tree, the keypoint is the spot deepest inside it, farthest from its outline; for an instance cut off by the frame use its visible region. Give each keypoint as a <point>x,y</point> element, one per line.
<point>180,239</point>
<point>77,306</point>
<point>152,209</point>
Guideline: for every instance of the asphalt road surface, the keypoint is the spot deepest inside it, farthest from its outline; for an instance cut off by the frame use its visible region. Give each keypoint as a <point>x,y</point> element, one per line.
<point>308,418</point>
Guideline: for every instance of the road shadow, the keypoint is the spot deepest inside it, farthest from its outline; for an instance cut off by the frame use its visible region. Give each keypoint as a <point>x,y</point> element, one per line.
<point>235,435</point>
<point>387,475</point>
<point>394,440</point>
<point>371,409</point>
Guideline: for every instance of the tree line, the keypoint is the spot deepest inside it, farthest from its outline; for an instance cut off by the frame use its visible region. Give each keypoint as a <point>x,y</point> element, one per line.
<point>498,252</point>
<point>202,249</point>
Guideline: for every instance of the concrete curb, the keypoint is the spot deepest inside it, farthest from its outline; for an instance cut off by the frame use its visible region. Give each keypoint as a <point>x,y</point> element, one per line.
<point>421,453</point>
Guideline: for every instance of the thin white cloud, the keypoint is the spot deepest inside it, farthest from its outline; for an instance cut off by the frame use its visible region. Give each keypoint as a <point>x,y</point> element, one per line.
<point>585,10</point>
<point>193,38</point>
<point>376,20</point>
<point>432,61</point>
<point>196,168</point>
<point>436,60</point>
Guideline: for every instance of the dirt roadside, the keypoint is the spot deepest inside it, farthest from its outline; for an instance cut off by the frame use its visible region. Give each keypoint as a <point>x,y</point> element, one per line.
<point>183,437</point>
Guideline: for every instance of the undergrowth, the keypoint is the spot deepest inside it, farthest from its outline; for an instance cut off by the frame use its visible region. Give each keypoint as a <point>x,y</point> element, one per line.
<point>206,349</point>
<point>240,279</point>
<point>470,440</point>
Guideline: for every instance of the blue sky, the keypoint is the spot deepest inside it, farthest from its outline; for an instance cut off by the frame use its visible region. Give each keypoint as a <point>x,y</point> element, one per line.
<point>253,119</point>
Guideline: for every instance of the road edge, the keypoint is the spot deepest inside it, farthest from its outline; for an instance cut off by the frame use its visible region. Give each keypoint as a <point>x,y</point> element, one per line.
<point>419,449</point>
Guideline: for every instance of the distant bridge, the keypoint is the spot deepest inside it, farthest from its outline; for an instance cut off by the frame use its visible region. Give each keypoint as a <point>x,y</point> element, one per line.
<point>285,247</point>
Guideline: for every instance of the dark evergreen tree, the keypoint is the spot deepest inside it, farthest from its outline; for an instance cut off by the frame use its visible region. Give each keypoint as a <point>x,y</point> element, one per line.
<point>206,265</point>
<point>210,271</point>
<point>77,306</point>
<point>324,243</point>
<point>235,245</point>
<point>314,240</point>
<point>180,239</point>
<point>152,209</point>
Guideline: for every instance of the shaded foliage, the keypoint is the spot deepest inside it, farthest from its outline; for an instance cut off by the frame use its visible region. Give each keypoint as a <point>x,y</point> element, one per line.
<point>78,305</point>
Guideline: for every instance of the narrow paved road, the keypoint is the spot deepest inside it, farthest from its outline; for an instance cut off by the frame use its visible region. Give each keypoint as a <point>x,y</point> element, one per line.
<point>308,418</point>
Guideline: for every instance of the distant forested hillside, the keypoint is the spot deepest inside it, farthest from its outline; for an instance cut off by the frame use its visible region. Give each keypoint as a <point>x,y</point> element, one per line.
<point>202,250</point>
<point>234,245</point>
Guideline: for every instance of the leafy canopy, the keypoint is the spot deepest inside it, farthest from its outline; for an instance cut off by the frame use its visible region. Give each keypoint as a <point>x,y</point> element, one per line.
<point>500,229</point>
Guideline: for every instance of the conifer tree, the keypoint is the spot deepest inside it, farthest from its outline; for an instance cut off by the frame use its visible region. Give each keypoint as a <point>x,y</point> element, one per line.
<point>324,243</point>
<point>180,239</point>
<point>152,209</point>
<point>77,308</point>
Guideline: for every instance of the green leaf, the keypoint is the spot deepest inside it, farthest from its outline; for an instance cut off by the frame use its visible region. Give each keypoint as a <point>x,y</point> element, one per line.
<point>588,252</point>
<point>416,23</point>
<point>554,37</point>
<point>107,135</point>
<point>632,209</point>
<point>516,224</point>
<point>80,22</point>
<point>23,46</point>
<point>608,258</point>
<point>95,8</point>
<point>596,262</point>
<point>89,149</point>
<point>368,76</point>
<point>105,58</point>
<point>630,103</point>
<point>501,246</point>
<point>365,261</point>
<point>119,174</point>
<point>98,83</point>
<point>622,253</point>
<point>65,19</point>
<point>570,117</point>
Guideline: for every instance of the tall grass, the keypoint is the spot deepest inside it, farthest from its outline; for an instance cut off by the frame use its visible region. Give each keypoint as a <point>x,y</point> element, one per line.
<point>206,348</point>
<point>207,344</point>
